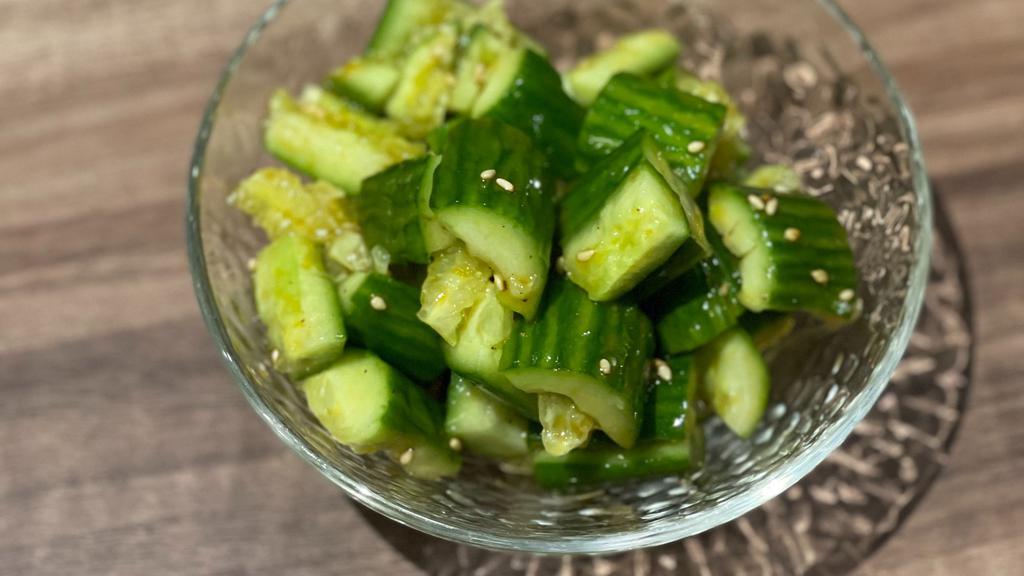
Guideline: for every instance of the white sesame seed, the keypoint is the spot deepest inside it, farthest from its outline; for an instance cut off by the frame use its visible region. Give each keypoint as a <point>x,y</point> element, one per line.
<point>584,255</point>
<point>378,303</point>
<point>321,233</point>
<point>847,295</point>
<point>723,290</point>
<point>756,202</point>
<point>605,366</point>
<point>499,282</point>
<point>406,458</point>
<point>488,174</point>
<point>275,355</point>
<point>791,234</point>
<point>772,206</point>
<point>505,185</point>
<point>695,147</point>
<point>664,370</point>
<point>455,444</point>
<point>820,276</point>
<point>251,264</point>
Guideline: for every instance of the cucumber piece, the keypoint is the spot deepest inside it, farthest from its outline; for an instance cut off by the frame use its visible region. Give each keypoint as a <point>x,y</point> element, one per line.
<point>483,425</point>
<point>420,99</point>
<point>298,304</point>
<point>347,253</point>
<point>670,412</point>
<point>645,52</point>
<point>435,236</point>
<point>369,406</point>
<point>768,329</point>
<point>509,229</point>
<point>325,138</point>
<point>700,305</point>
<point>682,261</point>
<point>365,81</point>
<point>793,252</point>
<point>484,48</point>
<point>565,426</point>
<point>389,209</point>
<point>381,314</point>
<point>593,353</point>
<point>776,177</point>
<point>281,204</point>
<point>477,354</point>
<point>625,218</point>
<point>455,283</point>
<point>402,20</point>
<point>609,464</point>
<point>686,127</point>
<point>732,151</point>
<point>525,91</point>
<point>734,381</point>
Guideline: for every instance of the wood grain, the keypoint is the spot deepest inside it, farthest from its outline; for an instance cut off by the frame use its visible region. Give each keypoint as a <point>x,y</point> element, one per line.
<point>124,446</point>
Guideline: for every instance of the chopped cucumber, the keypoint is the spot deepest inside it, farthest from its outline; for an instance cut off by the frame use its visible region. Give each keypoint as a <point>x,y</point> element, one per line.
<point>525,91</point>
<point>477,354</point>
<point>732,151</point>
<point>643,53</point>
<point>482,424</point>
<point>700,305</point>
<point>282,205</point>
<point>365,81</point>
<point>389,209</point>
<point>670,412</point>
<point>794,253</point>
<point>686,127</point>
<point>491,193</point>
<point>420,99</point>
<point>625,218</point>
<point>681,262</point>
<point>380,312</point>
<point>455,283</point>
<point>566,427</point>
<point>369,406</point>
<point>298,304</point>
<point>768,329</point>
<point>608,464</point>
<point>734,380</point>
<point>476,63</point>
<point>325,138</point>
<point>348,254</point>
<point>402,20</point>
<point>593,353</point>
<point>776,177</point>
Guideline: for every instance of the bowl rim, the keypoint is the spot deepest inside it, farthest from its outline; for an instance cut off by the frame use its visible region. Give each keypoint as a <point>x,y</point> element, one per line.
<point>764,489</point>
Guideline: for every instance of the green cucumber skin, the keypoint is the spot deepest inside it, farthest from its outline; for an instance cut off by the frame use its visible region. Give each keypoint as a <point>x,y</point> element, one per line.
<point>473,147</point>
<point>485,426</point>
<point>629,103</point>
<point>609,464</point>
<point>822,245</point>
<point>298,304</point>
<point>700,305</point>
<point>670,409</point>
<point>572,334</point>
<point>644,53</point>
<point>685,259</point>
<point>536,103</point>
<point>394,333</point>
<point>768,329</point>
<point>401,21</point>
<point>389,211</point>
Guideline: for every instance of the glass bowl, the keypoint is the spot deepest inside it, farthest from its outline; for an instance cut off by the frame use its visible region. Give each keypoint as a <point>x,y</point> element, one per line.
<point>816,96</point>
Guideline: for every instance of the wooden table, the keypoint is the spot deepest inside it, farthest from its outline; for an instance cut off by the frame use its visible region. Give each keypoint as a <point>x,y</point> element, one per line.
<point>125,448</point>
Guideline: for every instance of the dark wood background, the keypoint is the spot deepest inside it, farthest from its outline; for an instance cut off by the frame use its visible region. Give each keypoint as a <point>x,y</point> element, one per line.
<point>125,448</point>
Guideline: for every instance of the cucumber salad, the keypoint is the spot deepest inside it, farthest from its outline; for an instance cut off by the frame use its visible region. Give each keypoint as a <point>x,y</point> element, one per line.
<point>474,255</point>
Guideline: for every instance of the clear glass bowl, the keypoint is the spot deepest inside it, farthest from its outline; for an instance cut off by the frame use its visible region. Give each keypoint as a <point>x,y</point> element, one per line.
<point>816,96</point>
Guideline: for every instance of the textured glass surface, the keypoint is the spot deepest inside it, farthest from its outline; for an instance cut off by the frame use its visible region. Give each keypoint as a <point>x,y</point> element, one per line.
<point>814,99</point>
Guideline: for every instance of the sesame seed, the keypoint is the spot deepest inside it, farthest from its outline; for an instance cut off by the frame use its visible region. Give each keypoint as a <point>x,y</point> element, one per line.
<point>499,282</point>
<point>791,234</point>
<point>756,202</point>
<point>695,147</point>
<point>251,264</point>
<point>847,295</point>
<point>584,255</point>
<point>664,370</point>
<point>723,290</point>
<point>505,185</point>
<point>321,233</point>
<point>455,444</point>
<point>488,174</point>
<point>772,206</point>
<point>378,303</point>
<point>560,265</point>
<point>820,276</point>
<point>275,355</point>
<point>406,458</point>
<point>605,366</point>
